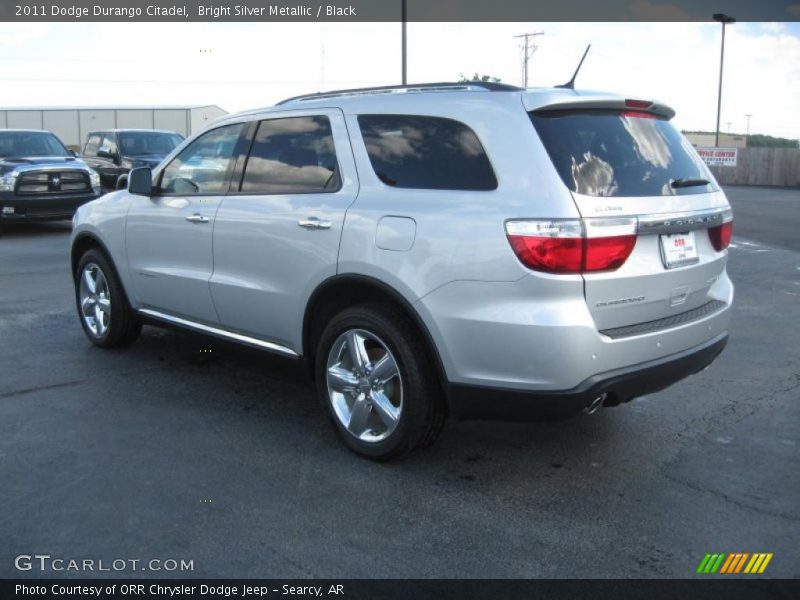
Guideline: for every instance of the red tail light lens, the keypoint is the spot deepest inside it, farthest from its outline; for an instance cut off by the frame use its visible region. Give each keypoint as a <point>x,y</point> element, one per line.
<point>551,255</point>
<point>570,246</point>
<point>721,235</point>
<point>607,253</point>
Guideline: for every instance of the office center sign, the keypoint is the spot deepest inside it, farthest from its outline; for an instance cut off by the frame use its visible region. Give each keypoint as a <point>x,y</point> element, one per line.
<point>719,157</point>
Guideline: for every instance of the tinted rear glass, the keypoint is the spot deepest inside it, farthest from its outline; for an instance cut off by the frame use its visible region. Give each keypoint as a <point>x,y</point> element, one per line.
<point>612,153</point>
<point>426,153</point>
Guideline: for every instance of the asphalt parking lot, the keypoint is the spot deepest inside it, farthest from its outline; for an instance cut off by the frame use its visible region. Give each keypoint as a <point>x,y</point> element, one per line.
<point>181,448</point>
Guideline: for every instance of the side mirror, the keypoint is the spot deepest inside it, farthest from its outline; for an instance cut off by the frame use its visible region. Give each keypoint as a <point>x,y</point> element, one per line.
<point>105,153</point>
<point>140,181</point>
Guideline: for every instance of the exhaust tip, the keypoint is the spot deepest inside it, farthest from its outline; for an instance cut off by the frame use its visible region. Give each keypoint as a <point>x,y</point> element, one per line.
<point>595,404</point>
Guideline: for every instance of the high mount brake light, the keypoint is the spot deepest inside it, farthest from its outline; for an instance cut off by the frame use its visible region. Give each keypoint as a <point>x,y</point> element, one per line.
<point>572,246</point>
<point>638,103</point>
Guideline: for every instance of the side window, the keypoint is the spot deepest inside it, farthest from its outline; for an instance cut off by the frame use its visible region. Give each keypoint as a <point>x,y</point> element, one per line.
<point>294,155</point>
<point>92,144</point>
<point>426,153</point>
<point>109,143</point>
<point>202,167</point>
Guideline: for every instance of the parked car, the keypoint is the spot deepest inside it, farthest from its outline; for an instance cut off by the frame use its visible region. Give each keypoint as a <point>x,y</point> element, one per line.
<point>473,250</point>
<point>40,178</point>
<point>114,152</point>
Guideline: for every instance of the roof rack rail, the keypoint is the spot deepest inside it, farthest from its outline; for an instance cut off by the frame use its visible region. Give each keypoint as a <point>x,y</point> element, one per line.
<point>483,86</point>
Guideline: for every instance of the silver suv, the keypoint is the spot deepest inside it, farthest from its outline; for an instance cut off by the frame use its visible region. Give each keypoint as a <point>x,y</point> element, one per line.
<point>473,250</point>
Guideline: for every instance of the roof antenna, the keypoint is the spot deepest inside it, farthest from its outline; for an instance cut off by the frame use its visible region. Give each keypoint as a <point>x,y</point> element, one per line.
<point>570,85</point>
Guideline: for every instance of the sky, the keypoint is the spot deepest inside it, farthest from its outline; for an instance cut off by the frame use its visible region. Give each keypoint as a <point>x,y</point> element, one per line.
<point>248,65</point>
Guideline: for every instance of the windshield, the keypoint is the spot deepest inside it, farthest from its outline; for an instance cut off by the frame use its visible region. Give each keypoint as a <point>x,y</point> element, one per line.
<point>26,144</point>
<point>621,153</point>
<point>140,143</point>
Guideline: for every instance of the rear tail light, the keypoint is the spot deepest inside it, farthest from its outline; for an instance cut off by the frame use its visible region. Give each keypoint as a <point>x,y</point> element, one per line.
<point>720,235</point>
<point>571,245</point>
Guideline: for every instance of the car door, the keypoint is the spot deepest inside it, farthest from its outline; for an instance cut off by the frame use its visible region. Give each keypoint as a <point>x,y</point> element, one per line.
<point>168,235</point>
<point>277,232</point>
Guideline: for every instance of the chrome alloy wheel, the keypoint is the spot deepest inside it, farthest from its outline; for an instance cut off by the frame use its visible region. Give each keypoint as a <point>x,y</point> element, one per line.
<point>95,300</point>
<point>364,385</point>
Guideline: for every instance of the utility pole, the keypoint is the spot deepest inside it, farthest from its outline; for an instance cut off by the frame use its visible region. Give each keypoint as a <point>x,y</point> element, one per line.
<point>725,20</point>
<point>729,123</point>
<point>528,51</point>
<point>405,45</point>
<point>748,124</point>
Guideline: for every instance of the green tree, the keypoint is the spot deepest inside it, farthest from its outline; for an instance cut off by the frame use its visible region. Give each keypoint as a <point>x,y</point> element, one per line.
<point>482,78</point>
<point>755,140</point>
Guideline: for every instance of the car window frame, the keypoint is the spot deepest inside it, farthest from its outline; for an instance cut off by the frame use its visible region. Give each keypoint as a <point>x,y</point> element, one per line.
<point>234,161</point>
<point>238,176</point>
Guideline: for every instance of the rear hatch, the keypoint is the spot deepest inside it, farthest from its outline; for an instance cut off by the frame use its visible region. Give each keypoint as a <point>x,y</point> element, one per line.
<point>654,220</point>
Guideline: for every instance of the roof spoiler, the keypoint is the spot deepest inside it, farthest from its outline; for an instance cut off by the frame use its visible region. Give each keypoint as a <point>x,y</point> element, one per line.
<point>648,106</point>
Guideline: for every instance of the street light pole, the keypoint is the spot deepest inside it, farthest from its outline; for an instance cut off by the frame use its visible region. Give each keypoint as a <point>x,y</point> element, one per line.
<point>725,20</point>
<point>405,47</point>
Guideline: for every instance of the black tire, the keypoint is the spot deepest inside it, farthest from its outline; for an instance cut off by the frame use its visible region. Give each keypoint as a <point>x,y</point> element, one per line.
<point>423,408</point>
<point>122,327</point>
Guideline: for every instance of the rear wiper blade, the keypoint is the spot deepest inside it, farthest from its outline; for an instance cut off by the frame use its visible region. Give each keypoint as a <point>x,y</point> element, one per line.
<point>688,182</point>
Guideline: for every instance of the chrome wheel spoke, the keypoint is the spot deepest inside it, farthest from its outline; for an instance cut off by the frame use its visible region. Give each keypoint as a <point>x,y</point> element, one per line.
<point>104,304</point>
<point>90,282</point>
<point>357,351</point>
<point>98,318</point>
<point>342,380</point>
<point>358,416</point>
<point>384,370</point>
<point>386,411</point>
<point>87,306</point>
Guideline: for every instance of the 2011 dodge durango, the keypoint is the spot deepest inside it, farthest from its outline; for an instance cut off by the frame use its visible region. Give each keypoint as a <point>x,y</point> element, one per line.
<point>474,250</point>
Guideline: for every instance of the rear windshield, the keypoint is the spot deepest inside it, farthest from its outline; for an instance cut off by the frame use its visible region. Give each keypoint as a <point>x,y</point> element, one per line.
<point>27,144</point>
<point>620,153</point>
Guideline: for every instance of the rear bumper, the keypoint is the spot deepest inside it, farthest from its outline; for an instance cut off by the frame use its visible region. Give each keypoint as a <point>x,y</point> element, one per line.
<point>620,385</point>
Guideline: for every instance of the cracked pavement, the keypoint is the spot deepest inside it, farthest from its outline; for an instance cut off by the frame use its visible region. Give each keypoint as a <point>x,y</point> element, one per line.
<point>183,447</point>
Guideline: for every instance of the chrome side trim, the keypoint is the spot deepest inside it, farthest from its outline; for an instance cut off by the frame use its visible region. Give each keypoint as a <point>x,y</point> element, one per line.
<point>687,221</point>
<point>222,333</point>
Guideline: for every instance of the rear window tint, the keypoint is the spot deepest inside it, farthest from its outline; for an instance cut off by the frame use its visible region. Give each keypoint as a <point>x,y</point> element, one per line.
<point>613,153</point>
<point>426,153</point>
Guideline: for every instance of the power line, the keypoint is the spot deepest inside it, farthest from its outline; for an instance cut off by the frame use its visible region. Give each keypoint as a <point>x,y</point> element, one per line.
<point>527,53</point>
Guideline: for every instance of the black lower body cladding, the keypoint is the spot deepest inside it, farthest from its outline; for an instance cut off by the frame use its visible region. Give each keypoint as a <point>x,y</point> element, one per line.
<point>621,385</point>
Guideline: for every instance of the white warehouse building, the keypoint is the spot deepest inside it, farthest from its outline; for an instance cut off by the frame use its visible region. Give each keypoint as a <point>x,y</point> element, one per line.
<point>71,124</point>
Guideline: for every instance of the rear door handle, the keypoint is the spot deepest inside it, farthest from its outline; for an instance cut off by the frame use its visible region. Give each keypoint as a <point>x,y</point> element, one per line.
<point>197,218</point>
<point>314,223</point>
